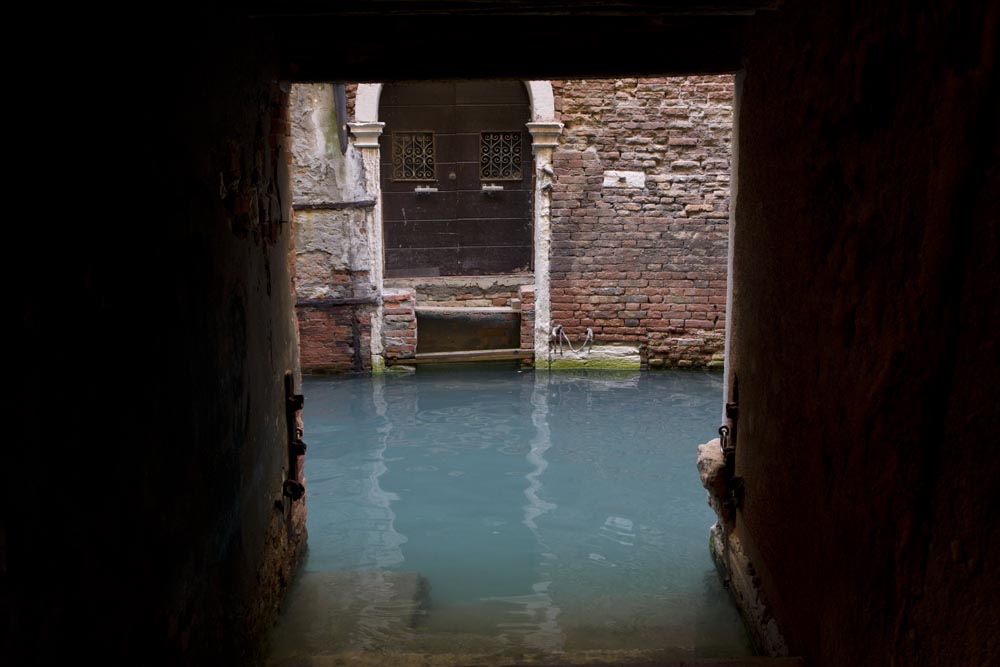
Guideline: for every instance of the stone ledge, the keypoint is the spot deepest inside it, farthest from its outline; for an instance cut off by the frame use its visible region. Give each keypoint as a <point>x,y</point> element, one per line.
<point>607,357</point>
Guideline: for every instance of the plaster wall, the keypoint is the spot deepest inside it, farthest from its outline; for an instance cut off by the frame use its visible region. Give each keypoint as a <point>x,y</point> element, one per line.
<point>337,250</point>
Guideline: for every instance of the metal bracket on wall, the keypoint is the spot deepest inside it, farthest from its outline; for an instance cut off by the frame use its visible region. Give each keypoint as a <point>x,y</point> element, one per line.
<point>737,491</point>
<point>727,441</point>
<point>292,488</point>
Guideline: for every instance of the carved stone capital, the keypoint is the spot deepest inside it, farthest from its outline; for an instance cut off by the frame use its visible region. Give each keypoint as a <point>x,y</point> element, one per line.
<point>366,133</point>
<point>545,134</point>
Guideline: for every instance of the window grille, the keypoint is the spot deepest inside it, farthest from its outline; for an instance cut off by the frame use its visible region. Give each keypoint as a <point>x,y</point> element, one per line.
<point>500,156</point>
<point>413,156</point>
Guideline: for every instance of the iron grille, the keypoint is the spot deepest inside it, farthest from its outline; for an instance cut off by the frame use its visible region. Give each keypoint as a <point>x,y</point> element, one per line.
<point>413,156</point>
<point>500,156</point>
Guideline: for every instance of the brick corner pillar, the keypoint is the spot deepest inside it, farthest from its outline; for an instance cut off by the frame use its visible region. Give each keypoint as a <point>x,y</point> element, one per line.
<point>526,295</point>
<point>399,323</point>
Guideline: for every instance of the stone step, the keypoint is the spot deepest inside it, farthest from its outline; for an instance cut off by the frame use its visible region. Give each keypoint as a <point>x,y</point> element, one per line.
<point>465,355</point>
<point>594,659</point>
<point>460,310</point>
<point>328,613</point>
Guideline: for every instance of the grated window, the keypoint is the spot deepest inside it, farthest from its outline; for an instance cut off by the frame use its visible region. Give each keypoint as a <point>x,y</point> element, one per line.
<point>413,156</point>
<point>500,156</point>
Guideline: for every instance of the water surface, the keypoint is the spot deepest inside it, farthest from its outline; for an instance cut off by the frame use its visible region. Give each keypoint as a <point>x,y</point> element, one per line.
<point>523,515</point>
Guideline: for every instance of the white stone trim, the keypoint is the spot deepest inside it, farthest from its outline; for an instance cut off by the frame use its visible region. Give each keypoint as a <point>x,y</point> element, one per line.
<point>366,136</point>
<point>543,105</point>
<point>543,102</point>
<point>545,138</point>
<point>545,134</point>
<point>366,101</point>
<point>366,133</point>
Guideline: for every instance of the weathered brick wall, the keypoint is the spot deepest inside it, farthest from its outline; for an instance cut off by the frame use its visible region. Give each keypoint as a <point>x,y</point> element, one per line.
<point>462,291</point>
<point>334,338</point>
<point>526,296</point>
<point>335,295</point>
<point>400,324</point>
<point>640,256</point>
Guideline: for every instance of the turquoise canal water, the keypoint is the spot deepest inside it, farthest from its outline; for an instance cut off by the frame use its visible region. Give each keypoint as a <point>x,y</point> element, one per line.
<point>491,512</point>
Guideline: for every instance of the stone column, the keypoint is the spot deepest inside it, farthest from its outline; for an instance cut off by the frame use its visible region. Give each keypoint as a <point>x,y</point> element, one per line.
<point>545,138</point>
<point>366,136</point>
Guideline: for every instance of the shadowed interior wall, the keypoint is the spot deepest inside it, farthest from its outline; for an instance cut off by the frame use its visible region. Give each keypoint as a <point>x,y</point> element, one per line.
<point>142,526</point>
<point>865,329</point>
<point>156,322</point>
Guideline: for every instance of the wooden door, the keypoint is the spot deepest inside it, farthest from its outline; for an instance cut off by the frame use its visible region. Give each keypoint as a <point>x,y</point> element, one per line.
<point>456,178</point>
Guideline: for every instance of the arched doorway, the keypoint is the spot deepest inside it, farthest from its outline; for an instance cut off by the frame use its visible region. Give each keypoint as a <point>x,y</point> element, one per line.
<point>367,129</point>
<point>456,178</point>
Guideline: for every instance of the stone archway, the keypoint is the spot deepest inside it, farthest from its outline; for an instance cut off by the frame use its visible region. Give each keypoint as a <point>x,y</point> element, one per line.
<point>545,131</point>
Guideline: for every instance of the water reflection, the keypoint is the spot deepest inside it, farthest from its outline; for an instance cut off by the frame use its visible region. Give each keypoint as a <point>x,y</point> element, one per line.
<point>545,633</point>
<point>384,550</point>
<point>511,514</point>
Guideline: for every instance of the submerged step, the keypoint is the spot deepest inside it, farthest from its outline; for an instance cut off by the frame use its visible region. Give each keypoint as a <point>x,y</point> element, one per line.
<point>612,658</point>
<point>328,613</point>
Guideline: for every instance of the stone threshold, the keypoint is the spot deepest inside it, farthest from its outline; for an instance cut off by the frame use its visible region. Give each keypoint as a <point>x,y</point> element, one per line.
<point>465,355</point>
<point>466,309</point>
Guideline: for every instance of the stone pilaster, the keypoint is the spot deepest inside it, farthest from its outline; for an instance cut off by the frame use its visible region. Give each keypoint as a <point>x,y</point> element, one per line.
<point>366,140</point>
<point>545,138</point>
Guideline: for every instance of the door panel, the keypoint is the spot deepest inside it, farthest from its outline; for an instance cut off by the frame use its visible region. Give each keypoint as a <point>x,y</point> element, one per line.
<point>494,205</point>
<point>474,261</point>
<point>454,233</point>
<point>459,229</point>
<point>422,207</point>
<point>489,92</point>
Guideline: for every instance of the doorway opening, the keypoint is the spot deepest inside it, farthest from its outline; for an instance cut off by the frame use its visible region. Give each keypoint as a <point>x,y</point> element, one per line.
<point>437,217</point>
<point>602,218</point>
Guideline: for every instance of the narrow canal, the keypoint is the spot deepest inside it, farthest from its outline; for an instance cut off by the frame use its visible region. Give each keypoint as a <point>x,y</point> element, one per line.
<point>487,514</point>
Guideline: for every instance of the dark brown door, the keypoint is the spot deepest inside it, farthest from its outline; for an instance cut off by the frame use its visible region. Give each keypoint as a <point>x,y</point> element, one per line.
<point>456,178</point>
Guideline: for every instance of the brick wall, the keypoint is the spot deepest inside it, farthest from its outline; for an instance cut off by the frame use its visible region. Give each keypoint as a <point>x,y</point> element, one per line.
<point>526,295</point>
<point>640,256</point>
<point>462,291</point>
<point>399,326</point>
<point>334,338</point>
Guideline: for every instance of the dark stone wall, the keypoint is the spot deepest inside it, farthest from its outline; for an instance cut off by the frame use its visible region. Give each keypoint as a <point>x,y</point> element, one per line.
<point>865,328</point>
<point>154,323</point>
<point>156,328</point>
